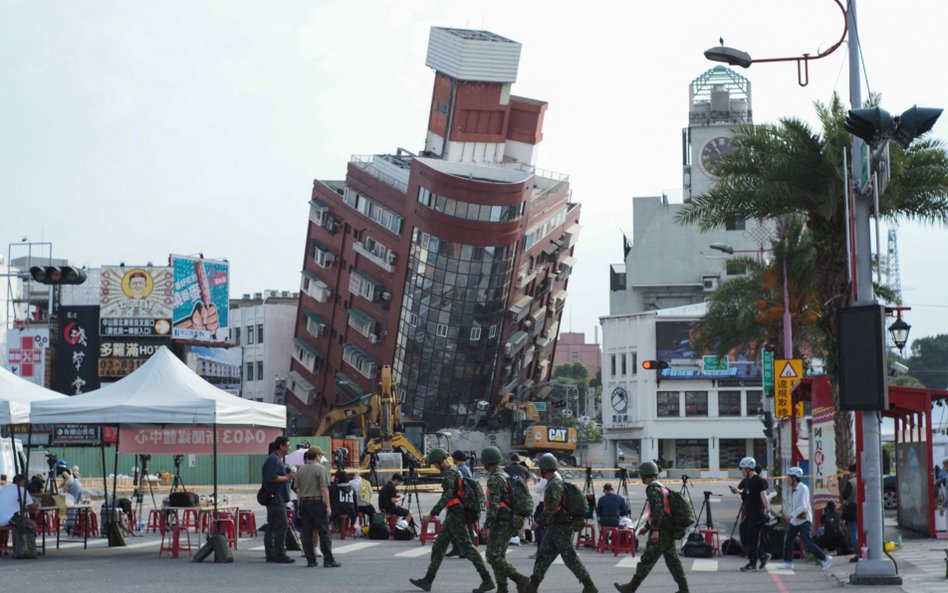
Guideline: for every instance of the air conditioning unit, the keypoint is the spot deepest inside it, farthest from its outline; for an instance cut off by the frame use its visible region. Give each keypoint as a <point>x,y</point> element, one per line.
<point>528,323</point>
<point>331,224</point>
<point>321,329</point>
<point>374,339</point>
<point>392,258</point>
<point>709,283</point>
<point>329,258</point>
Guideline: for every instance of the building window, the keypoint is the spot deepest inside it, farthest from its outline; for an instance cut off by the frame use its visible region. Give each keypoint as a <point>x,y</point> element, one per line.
<point>696,404</point>
<point>735,268</point>
<point>469,210</point>
<point>250,334</point>
<point>691,453</point>
<point>754,406</point>
<point>412,319</point>
<point>360,361</point>
<point>237,336</point>
<point>730,452</point>
<point>729,403</point>
<point>574,355</point>
<point>735,224</point>
<point>612,360</point>
<point>250,371</point>
<point>442,330</point>
<point>635,363</point>
<point>623,364</point>
<point>535,234</point>
<point>260,370</point>
<point>260,334</point>
<point>669,405</point>
<point>475,334</point>
<point>362,286</point>
<point>492,331</point>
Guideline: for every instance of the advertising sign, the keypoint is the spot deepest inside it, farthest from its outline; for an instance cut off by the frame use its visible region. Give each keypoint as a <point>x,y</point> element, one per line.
<point>119,357</point>
<point>75,434</point>
<point>674,343</point>
<point>26,353</point>
<point>136,301</point>
<point>76,365</point>
<point>191,439</point>
<point>825,485</point>
<point>768,368</point>
<point>913,492</point>
<point>201,298</point>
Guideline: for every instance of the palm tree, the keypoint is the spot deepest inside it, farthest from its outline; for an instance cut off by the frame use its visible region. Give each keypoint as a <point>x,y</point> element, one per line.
<point>787,168</point>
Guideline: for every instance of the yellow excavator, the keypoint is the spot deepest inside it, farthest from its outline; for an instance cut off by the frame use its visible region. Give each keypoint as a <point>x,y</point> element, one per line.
<point>530,434</point>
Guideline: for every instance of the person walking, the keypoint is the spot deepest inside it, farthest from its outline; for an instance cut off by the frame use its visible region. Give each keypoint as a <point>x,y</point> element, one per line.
<point>799,522</point>
<point>500,524</point>
<point>662,539</point>
<point>312,489</point>
<point>558,539</point>
<point>753,489</point>
<point>453,528</point>
<point>460,459</point>
<point>276,481</point>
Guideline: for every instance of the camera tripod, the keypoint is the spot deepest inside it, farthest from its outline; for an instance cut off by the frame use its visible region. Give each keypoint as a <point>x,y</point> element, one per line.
<point>51,487</point>
<point>705,505</point>
<point>685,492</point>
<point>177,483</point>
<point>624,484</point>
<point>139,480</point>
<point>411,487</point>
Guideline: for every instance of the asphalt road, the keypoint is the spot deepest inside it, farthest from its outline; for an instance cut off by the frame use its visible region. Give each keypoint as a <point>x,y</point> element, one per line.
<point>371,566</point>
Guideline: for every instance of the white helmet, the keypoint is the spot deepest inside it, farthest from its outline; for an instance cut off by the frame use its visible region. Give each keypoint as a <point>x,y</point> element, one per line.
<point>402,524</point>
<point>748,463</point>
<point>796,472</point>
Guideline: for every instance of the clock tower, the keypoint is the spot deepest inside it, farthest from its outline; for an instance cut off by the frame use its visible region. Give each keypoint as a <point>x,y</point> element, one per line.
<point>719,100</point>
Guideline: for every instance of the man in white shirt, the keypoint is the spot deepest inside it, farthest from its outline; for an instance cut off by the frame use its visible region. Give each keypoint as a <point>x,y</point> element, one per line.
<point>10,499</point>
<point>799,522</point>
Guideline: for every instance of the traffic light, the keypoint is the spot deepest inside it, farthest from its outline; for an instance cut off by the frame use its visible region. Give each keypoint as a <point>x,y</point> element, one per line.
<point>913,123</point>
<point>768,421</point>
<point>654,365</point>
<point>872,125</point>
<point>58,274</point>
<point>557,405</point>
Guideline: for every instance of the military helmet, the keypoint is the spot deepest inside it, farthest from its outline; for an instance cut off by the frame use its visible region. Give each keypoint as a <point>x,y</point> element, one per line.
<point>436,455</point>
<point>548,462</point>
<point>648,468</point>
<point>491,455</point>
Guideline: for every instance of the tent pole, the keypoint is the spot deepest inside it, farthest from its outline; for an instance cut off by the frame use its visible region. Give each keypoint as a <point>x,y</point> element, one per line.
<point>20,492</point>
<point>215,471</point>
<point>105,486</point>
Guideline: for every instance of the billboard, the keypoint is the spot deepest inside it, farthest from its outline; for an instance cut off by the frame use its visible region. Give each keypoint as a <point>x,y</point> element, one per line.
<point>77,350</point>
<point>136,301</point>
<point>201,299</point>
<point>119,357</point>
<point>674,343</point>
<point>26,353</point>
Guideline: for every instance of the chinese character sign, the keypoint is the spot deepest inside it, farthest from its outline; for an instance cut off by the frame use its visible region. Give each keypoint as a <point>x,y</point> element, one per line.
<point>201,293</point>
<point>119,357</point>
<point>136,301</point>
<point>75,369</point>
<point>26,353</point>
<point>195,439</point>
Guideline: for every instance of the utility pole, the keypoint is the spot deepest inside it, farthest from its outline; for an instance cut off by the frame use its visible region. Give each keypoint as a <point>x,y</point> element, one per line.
<point>877,568</point>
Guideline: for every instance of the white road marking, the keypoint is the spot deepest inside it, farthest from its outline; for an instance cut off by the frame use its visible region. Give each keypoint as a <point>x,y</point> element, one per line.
<point>705,565</point>
<point>353,547</point>
<point>772,567</point>
<point>414,552</point>
<point>628,562</point>
<point>559,560</point>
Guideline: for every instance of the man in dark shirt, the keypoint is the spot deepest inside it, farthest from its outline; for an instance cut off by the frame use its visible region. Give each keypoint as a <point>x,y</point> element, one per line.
<point>389,499</point>
<point>755,510</point>
<point>276,480</point>
<point>517,469</point>
<point>610,507</point>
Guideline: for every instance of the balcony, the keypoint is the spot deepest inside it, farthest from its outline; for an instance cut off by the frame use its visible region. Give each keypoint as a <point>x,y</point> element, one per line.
<point>367,163</point>
<point>520,309</point>
<point>315,326</point>
<point>306,355</point>
<point>386,264</point>
<point>301,388</point>
<point>318,212</point>
<point>515,344</point>
<point>315,288</point>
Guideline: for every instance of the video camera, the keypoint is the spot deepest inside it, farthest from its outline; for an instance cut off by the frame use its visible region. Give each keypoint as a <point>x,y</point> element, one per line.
<point>145,457</point>
<point>340,458</point>
<point>51,460</point>
<point>177,460</point>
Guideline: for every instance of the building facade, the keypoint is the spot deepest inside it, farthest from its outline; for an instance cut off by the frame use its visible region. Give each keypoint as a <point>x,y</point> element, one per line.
<point>572,347</point>
<point>262,326</point>
<point>451,265</point>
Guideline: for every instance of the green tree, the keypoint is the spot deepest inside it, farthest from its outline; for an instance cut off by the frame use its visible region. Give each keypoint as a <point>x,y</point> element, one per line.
<point>929,361</point>
<point>788,168</point>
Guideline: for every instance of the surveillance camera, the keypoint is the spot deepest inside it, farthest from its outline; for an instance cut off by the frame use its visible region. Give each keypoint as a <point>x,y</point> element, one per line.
<point>897,369</point>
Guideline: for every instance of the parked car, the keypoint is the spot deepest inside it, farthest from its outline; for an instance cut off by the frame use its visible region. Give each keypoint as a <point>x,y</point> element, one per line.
<point>890,493</point>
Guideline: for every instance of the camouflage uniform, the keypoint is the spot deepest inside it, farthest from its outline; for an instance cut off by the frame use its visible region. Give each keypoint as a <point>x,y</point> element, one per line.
<point>558,539</point>
<point>453,528</point>
<point>666,546</point>
<point>503,525</point>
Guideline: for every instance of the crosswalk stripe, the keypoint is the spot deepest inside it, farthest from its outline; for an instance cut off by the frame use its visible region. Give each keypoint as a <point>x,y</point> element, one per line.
<point>773,568</point>
<point>628,562</point>
<point>705,565</point>
<point>354,547</point>
<point>414,552</point>
<point>256,548</point>
<point>147,544</point>
<point>559,561</point>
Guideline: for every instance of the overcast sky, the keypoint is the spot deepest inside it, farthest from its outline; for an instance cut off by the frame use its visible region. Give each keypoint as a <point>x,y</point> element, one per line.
<point>131,129</point>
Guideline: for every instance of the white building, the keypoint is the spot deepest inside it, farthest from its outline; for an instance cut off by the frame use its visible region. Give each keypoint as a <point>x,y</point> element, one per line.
<point>262,326</point>
<point>702,416</point>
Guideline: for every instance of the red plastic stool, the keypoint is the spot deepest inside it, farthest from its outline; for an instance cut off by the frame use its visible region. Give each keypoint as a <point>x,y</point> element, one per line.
<point>7,531</point>
<point>155,520</point>
<point>623,541</point>
<point>712,537</point>
<point>607,535</point>
<point>224,525</point>
<point>425,535</point>
<point>190,519</point>
<point>246,523</point>
<point>86,524</point>
<point>345,526</point>
<point>174,544</point>
<point>586,536</point>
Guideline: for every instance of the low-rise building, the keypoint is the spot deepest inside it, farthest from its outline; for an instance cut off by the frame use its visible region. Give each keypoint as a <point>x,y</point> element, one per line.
<point>262,326</point>
<point>572,347</point>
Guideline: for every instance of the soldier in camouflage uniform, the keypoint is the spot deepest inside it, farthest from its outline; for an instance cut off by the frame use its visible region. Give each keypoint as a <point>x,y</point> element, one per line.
<point>454,527</point>
<point>501,524</point>
<point>662,540</point>
<point>558,540</point>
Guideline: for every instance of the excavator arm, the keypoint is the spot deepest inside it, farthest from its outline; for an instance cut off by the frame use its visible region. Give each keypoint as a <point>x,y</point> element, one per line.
<point>367,409</point>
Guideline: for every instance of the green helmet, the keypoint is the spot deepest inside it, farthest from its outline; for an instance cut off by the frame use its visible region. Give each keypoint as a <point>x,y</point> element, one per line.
<point>491,455</point>
<point>548,462</point>
<point>648,468</point>
<point>436,455</point>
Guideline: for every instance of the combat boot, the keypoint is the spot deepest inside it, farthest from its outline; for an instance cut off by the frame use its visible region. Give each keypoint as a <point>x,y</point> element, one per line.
<point>522,582</point>
<point>589,586</point>
<point>486,585</point>
<point>423,584</point>
<point>626,588</point>
<point>532,585</point>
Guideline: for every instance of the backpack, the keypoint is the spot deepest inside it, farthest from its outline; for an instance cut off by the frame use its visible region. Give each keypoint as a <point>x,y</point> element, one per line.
<point>377,531</point>
<point>681,515</point>
<point>519,498</point>
<point>574,501</point>
<point>471,496</point>
<point>831,525</point>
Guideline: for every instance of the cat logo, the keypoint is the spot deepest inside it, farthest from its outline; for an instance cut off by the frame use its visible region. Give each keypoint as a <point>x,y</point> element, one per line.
<point>556,435</point>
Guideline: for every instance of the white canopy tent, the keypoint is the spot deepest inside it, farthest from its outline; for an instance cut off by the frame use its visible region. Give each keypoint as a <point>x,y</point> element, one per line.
<point>17,395</point>
<point>162,391</point>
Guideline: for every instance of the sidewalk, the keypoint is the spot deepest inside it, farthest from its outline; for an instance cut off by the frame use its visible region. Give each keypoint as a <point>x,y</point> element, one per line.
<point>921,560</point>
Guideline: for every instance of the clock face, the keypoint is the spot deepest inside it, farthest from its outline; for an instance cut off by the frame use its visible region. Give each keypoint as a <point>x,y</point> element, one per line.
<point>620,399</point>
<point>712,151</point>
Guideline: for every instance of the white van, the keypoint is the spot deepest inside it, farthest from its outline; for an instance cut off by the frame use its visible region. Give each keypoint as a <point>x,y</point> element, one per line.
<point>7,469</point>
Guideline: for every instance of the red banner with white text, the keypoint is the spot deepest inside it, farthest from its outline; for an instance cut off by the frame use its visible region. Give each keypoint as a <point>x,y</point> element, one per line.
<point>195,439</point>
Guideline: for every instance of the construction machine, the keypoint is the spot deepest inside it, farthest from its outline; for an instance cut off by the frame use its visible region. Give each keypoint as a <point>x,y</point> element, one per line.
<point>365,410</point>
<point>528,432</point>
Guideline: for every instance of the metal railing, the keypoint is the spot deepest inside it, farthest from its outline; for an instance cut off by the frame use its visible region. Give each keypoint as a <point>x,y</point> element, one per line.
<point>366,163</point>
